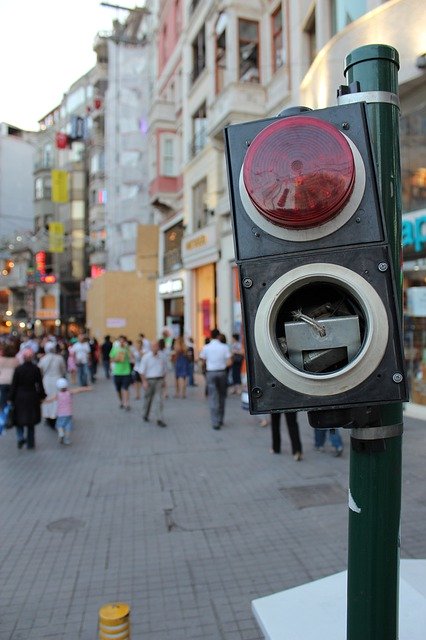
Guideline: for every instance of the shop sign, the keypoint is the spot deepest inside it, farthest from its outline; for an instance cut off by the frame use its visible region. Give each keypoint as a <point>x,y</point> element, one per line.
<point>414,232</point>
<point>47,314</point>
<point>200,248</point>
<point>116,323</point>
<point>168,287</point>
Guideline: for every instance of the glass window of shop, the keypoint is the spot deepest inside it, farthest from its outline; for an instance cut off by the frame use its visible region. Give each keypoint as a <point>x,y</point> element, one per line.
<point>172,260</point>
<point>343,12</point>
<point>413,165</point>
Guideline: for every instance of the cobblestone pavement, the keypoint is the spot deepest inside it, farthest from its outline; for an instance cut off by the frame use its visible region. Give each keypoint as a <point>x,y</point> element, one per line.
<point>186,524</point>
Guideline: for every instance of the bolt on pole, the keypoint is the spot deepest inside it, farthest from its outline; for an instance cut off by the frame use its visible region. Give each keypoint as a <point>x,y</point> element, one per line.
<point>375,459</point>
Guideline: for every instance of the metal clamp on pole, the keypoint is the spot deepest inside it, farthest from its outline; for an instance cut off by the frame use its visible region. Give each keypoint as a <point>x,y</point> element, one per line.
<point>369,97</point>
<point>378,433</point>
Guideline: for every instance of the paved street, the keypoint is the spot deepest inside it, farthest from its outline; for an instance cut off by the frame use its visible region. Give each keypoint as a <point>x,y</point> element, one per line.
<point>186,524</point>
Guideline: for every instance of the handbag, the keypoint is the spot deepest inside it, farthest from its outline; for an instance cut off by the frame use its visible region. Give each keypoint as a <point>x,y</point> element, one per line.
<point>6,417</point>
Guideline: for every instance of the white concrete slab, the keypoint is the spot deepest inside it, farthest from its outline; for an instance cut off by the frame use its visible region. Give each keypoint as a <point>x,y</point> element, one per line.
<point>318,609</point>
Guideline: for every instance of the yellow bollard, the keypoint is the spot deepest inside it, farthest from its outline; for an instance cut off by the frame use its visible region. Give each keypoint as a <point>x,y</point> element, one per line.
<point>114,621</point>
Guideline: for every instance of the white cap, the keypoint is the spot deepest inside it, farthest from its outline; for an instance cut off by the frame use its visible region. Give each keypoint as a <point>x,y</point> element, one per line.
<point>62,383</point>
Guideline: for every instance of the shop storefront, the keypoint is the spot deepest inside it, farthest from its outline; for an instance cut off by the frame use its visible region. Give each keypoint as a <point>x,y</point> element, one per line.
<point>200,254</point>
<point>413,164</point>
<point>414,271</point>
<point>171,295</point>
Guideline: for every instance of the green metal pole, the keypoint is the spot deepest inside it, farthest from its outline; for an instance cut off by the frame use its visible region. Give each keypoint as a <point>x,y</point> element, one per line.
<point>375,464</point>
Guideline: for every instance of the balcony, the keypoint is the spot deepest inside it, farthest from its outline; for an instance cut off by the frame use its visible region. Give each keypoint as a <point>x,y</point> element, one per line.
<point>133,141</point>
<point>163,112</point>
<point>239,102</point>
<point>133,174</point>
<point>97,216</point>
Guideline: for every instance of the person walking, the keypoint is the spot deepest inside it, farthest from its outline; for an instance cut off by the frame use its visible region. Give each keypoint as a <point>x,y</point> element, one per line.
<point>121,371</point>
<point>181,365</point>
<point>293,432</point>
<point>335,439</point>
<point>153,369</point>
<point>8,364</point>
<point>190,351</point>
<point>237,363</point>
<point>26,394</point>
<point>52,367</point>
<point>105,351</point>
<point>136,351</point>
<point>71,364</point>
<point>217,357</point>
<point>81,351</point>
<point>63,400</point>
<point>94,359</point>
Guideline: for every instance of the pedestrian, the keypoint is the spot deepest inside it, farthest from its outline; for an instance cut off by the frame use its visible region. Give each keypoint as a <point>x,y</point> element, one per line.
<point>145,343</point>
<point>63,401</point>
<point>320,437</point>
<point>81,351</point>
<point>8,364</point>
<point>52,368</point>
<point>136,351</point>
<point>217,357</point>
<point>237,363</point>
<point>121,370</point>
<point>153,369</point>
<point>190,351</point>
<point>26,394</point>
<point>203,369</point>
<point>293,432</point>
<point>71,365</point>
<point>94,359</point>
<point>105,351</point>
<point>181,366</point>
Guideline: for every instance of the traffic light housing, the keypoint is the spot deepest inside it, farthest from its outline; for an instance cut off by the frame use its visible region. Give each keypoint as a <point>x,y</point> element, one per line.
<point>320,312</point>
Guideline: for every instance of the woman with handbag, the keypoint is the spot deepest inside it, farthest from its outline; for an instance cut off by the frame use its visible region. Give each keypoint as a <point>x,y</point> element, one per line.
<point>26,394</point>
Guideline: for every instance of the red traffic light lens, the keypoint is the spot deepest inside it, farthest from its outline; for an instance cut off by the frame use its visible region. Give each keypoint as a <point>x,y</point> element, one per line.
<point>299,172</point>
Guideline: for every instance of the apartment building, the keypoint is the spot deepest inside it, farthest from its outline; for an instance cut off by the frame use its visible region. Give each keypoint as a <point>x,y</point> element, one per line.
<point>222,63</point>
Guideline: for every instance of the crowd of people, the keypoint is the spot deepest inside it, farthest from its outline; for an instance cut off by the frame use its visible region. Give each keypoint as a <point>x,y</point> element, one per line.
<point>40,375</point>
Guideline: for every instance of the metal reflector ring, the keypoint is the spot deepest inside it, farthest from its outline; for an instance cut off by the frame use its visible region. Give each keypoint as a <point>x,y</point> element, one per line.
<point>357,370</point>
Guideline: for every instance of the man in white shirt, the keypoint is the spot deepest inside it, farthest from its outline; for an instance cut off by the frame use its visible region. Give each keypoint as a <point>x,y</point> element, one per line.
<point>81,351</point>
<point>217,357</point>
<point>152,369</point>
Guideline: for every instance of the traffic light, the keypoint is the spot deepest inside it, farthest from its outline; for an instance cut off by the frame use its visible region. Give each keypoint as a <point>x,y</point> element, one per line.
<point>321,317</point>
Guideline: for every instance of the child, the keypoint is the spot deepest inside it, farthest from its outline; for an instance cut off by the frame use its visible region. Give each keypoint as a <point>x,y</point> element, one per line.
<point>64,409</point>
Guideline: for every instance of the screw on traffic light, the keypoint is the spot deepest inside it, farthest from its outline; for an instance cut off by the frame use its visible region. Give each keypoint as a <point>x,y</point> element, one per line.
<point>7,267</point>
<point>321,320</point>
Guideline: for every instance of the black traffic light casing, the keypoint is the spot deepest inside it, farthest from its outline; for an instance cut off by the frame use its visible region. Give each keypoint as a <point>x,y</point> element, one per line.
<point>321,317</point>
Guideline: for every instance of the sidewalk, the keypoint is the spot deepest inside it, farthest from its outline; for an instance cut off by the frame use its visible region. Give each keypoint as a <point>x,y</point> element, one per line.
<point>186,524</point>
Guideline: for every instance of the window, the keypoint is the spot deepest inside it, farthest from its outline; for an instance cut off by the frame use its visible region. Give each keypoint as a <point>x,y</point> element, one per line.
<point>200,212</point>
<point>42,189</point>
<point>168,157</point>
<point>172,260</point>
<point>77,210</point>
<point>97,163</point>
<point>220,53</point>
<point>310,31</point>
<point>199,130</point>
<point>343,12</point>
<point>278,51</point>
<point>48,156</point>
<point>248,46</point>
<point>199,54</point>
<point>38,188</point>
